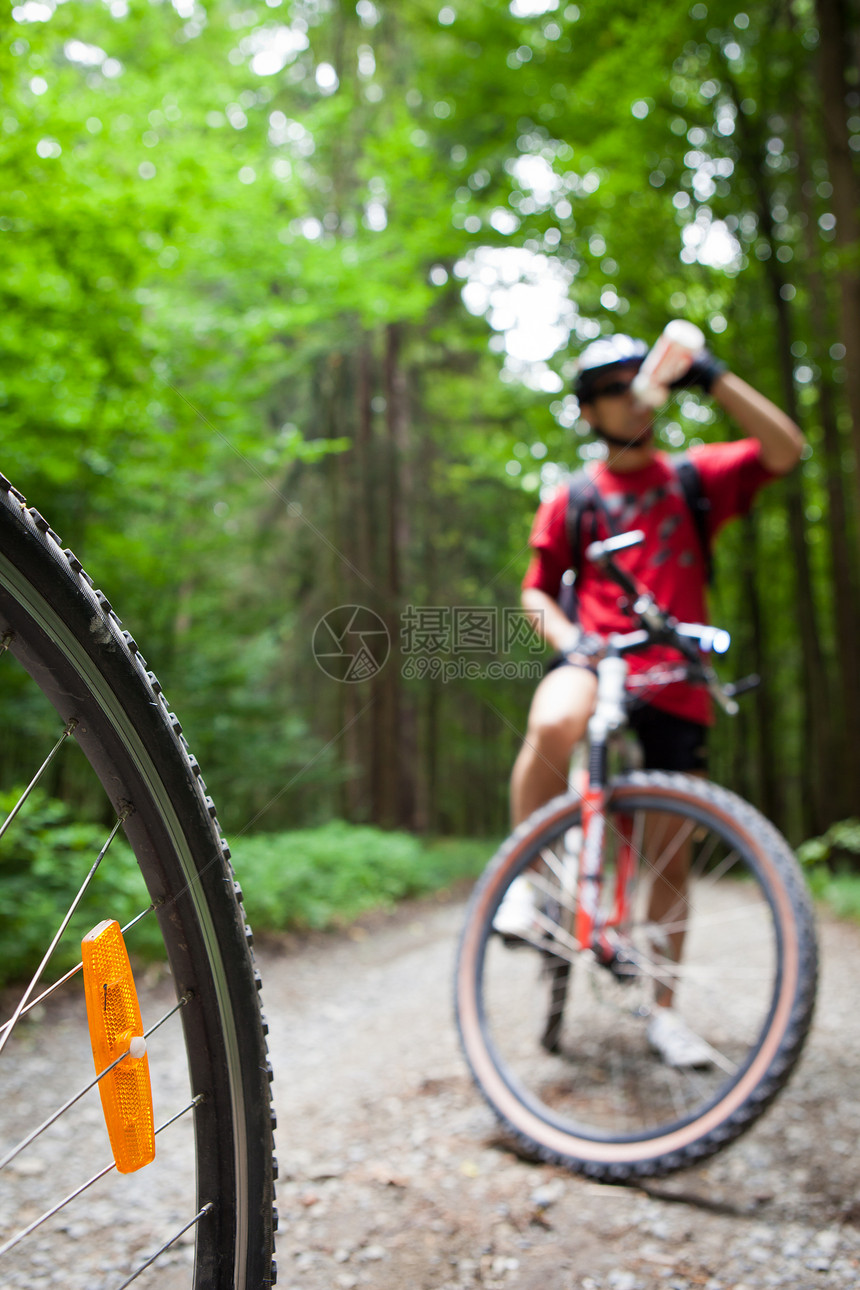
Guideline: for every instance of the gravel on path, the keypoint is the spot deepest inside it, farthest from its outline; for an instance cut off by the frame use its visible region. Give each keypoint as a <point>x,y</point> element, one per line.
<point>393,1173</point>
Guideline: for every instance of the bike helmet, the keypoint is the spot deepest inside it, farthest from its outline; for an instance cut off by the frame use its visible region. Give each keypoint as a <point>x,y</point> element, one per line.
<point>603,354</point>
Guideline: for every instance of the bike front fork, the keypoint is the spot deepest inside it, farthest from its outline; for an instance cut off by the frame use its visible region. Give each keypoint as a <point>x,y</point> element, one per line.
<point>597,917</point>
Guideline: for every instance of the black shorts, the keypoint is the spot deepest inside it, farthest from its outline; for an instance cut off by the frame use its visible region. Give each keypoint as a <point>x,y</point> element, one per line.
<point>668,742</point>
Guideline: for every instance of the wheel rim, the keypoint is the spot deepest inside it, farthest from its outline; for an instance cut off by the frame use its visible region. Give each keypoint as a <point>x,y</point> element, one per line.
<point>181,859</point>
<point>602,1098</point>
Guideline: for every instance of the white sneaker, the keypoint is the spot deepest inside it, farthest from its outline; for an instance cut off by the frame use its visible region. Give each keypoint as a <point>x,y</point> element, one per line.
<point>515,917</point>
<point>674,1041</point>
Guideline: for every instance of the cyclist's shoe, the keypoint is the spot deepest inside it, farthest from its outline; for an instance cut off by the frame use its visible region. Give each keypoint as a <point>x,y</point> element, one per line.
<point>515,918</point>
<point>622,962</point>
<point>675,1043</point>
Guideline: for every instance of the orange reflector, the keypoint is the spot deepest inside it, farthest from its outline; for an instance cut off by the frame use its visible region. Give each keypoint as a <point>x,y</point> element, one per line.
<point>113,1014</point>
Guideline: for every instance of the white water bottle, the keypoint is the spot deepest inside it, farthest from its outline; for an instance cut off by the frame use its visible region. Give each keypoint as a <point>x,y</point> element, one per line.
<point>668,360</point>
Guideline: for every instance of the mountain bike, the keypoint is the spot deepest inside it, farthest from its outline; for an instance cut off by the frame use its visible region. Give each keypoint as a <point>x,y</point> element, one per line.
<point>553,1023</point>
<point>202,1214</point>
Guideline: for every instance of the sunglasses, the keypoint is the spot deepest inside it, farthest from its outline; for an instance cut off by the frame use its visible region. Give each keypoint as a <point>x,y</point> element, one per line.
<point>613,390</point>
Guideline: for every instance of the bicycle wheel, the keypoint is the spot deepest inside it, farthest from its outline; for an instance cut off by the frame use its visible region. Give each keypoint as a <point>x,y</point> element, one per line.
<point>601,1103</point>
<point>212,1071</point>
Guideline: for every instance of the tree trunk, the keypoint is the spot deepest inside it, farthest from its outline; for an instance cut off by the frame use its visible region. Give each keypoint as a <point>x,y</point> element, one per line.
<point>767,774</point>
<point>846,771</point>
<point>834,60</point>
<point>400,708</point>
<point>819,810</point>
<point>817,713</point>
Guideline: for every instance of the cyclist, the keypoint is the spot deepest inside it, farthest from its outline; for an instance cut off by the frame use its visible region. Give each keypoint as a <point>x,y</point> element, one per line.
<point>635,487</point>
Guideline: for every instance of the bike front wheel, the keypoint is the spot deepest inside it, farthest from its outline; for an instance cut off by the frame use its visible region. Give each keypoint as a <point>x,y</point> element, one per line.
<point>201,1216</point>
<point>733,945</point>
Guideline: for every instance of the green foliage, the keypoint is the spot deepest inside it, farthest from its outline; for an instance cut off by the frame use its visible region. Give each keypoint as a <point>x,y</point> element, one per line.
<point>44,860</point>
<point>839,891</point>
<point>324,877</point>
<point>233,335</point>
<point>841,841</point>
<point>831,862</point>
<point>304,879</point>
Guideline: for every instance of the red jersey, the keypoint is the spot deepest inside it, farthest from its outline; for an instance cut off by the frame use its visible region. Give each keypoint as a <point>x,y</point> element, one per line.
<point>669,563</point>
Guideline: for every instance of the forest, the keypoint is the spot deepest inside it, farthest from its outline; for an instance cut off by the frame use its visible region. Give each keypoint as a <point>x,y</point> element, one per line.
<point>292,294</point>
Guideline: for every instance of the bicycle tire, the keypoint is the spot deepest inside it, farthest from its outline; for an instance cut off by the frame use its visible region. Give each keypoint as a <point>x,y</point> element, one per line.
<point>602,1105</point>
<point>66,636</point>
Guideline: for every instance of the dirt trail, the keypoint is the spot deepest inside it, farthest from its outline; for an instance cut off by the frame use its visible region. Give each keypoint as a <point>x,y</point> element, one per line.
<point>393,1174</point>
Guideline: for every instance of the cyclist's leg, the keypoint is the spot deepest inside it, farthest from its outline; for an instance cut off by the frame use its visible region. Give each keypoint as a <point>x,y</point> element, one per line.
<point>669,742</point>
<point>558,718</point>
<point>667,852</point>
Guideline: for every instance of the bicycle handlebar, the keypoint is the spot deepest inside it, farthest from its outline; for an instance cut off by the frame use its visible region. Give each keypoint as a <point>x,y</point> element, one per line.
<point>660,628</point>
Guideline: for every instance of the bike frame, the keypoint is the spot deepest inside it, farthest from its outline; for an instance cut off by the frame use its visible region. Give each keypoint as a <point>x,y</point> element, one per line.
<point>609,717</point>
<point>601,935</point>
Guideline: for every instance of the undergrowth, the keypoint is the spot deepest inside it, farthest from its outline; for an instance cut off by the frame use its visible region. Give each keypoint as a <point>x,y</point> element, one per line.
<point>328,876</point>
<point>830,863</point>
<point>305,879</point>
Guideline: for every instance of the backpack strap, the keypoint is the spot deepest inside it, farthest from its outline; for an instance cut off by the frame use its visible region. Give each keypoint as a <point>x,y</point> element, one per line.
<point>690,482</point>
<point>584,504</point>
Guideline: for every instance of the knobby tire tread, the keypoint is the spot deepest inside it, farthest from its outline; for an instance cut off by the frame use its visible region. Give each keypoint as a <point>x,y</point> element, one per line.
<point>748,821</point>
<point>135,744</point>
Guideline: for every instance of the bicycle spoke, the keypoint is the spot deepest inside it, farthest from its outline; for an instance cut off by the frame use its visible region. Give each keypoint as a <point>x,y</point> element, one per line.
<point>77,661</point>
<point>659,866</point>
<point>207,1209</point>
<point>40,998</point>
<point>52,1119</point>
<point>84,1187</point>
<point>698,883</point>
<point>699,974</point>
<point>555,863</point>
<point>55,1209</point>
<point>35,780</point>
<point>16,1016</point>
<point>61,981</point>
<point>708,919</point>
<point>711,878</point>
<point>705,856</point>
<point>693,921</point>
<point>561,939</point>
<point>677,1089</point>
<point>554,891</point>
